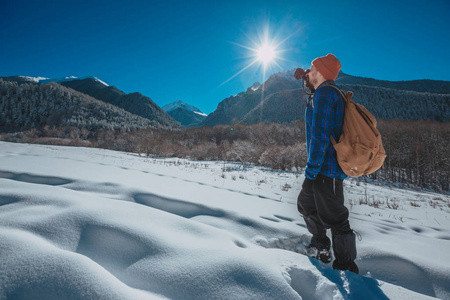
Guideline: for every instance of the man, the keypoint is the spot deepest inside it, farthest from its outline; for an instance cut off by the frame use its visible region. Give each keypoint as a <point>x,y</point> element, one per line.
<point>321,200</point>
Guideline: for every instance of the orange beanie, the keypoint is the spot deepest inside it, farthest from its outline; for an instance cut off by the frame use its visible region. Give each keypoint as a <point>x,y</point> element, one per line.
<point>328,66</point>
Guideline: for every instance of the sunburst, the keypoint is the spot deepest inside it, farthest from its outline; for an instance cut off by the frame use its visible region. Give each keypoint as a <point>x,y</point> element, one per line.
<point>266,54</point>
<point>264,51</point>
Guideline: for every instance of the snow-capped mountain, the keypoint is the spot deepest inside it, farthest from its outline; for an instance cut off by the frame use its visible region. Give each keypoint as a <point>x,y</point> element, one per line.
<point>255,86</point>
<point>177,104</point>
<point>187,115</point>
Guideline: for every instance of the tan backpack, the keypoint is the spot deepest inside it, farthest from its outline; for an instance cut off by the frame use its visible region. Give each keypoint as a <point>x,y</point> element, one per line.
<point>360,149</point>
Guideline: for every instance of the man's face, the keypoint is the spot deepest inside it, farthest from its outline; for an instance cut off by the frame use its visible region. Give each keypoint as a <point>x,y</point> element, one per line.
<point>313,78</point>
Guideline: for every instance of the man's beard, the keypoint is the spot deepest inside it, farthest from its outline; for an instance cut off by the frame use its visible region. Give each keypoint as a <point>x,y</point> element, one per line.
<point>309,85</point>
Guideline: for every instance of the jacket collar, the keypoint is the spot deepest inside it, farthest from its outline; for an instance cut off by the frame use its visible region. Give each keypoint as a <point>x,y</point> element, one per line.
<point>325,83</point>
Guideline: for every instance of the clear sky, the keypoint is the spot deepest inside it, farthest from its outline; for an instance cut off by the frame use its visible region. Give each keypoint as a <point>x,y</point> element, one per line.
<point>190,50</point>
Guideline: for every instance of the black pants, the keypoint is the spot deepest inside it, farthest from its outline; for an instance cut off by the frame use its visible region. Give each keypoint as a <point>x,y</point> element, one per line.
<point>321,202</point>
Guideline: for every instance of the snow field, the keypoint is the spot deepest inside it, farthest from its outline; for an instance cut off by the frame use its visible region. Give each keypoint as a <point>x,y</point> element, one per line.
<point>79,223</point>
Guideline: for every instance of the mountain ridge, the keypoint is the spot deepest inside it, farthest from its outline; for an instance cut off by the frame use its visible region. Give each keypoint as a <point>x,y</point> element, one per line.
<point>283,100</point>
<point>135,103</point>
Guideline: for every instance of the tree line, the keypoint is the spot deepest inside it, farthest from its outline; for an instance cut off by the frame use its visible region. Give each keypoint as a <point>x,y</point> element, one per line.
<point>417,151</point>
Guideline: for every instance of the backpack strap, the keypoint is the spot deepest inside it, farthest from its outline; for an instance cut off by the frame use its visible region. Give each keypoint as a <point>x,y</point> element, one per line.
<point>347,97</point>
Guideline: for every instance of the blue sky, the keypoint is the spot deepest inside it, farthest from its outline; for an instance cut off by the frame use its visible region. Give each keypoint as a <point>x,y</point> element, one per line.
<point>188,50</point>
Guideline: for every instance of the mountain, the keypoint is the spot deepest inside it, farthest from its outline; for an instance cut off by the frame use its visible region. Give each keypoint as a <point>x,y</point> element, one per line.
<point>28,105</point>
<point>187,118</point>
<point>135,103</point>
<point>234,108</point>
<point>283,100</point>
<point>255,86</point>
<point>187,115</point>
<point>177,104</point>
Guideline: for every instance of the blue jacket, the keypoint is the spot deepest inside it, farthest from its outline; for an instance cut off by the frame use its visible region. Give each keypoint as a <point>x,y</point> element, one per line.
<point>324,117</point>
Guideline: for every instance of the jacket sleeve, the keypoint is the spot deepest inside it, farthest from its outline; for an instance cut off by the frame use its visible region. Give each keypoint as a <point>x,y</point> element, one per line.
<point>321,130</point>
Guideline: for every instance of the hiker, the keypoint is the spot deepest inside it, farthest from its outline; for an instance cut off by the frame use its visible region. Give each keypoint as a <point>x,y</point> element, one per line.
<point>321,200</point>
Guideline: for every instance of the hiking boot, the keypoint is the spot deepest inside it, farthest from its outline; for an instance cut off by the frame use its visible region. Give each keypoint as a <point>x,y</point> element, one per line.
<point>351,266</point>
<point>324,255</point>
<point>319,248</point>
<point>344,248</point>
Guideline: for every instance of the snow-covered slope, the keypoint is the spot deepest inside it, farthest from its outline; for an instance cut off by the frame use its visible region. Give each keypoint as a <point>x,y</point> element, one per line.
<point>78,223</point>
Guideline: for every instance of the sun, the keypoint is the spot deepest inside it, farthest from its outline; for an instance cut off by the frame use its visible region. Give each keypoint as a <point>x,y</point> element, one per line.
<point>264,50</point>
<point>266,53</point>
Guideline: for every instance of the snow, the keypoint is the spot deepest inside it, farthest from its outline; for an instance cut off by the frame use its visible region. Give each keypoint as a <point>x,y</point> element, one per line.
<point>63,79</point>
<point>201,113</point>
<point>255,86</point>
<point>80,223</point>
<point>102,82</point>
<point>34,79</point>
<point>289,75</point>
